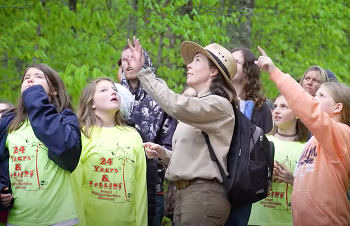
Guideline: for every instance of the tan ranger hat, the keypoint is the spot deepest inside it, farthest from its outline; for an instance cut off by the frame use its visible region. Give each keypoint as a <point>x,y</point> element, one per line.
<point>221,57</point>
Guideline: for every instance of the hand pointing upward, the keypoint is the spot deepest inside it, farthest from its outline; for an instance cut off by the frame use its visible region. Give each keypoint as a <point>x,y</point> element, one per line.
<point>136,50</point>
<point>265,62</point>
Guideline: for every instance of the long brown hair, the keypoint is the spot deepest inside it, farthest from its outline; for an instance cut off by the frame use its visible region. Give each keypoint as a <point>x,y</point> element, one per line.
<point>251,79</point>
<point>60,101</point>
<point>86,114</point>
<point>302,130</point>
<point>219,86</point>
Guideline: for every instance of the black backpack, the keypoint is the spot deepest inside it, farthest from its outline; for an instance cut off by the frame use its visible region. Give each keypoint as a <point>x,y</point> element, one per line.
<point>249,162</point>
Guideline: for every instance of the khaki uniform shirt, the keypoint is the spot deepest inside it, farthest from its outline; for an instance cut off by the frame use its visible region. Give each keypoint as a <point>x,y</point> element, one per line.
<point>211,114</point>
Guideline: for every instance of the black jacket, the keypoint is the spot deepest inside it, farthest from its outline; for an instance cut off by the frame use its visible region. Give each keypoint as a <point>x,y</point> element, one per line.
<point>263,118</point>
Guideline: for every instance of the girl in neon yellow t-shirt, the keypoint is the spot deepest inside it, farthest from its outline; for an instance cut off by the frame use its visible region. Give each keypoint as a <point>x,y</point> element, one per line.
<point>40,146</point>
<point>110,181</point>
<point>289,136</point>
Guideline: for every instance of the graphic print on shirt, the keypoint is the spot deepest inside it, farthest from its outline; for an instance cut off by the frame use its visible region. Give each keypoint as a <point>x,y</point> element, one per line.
<point>30,167</point>
<point>306,163</point>
<point>279,191</point>
<point>113,173</point>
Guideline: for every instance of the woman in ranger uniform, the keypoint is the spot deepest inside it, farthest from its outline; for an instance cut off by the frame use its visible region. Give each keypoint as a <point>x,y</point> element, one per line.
<point>201,198</point>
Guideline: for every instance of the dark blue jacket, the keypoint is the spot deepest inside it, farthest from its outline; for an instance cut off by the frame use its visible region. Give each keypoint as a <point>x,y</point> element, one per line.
<point>60,132</point>
<point>263,118</point>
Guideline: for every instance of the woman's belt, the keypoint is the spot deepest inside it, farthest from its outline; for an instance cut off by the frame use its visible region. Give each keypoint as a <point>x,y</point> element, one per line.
<point>181,184</point>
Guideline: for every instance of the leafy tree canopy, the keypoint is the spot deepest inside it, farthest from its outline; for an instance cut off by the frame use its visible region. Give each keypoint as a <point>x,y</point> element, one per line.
<point>83,40</point>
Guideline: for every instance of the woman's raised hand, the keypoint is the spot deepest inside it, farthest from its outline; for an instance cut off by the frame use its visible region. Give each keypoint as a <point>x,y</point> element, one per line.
<point>265,62</point>
<point>136,50</point>
<point>154,150</point>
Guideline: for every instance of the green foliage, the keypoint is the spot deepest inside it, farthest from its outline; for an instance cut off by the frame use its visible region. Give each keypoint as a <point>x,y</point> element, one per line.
<point>299,34</point>
<point>84,41</point>
<point>86,44</point>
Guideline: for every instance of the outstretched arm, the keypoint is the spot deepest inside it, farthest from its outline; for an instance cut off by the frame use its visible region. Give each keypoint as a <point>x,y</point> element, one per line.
<point>195,111</point>
<point>331,135</point>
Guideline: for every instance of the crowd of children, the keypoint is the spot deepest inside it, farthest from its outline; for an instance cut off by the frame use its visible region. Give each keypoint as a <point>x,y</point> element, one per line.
<point>106,163</point>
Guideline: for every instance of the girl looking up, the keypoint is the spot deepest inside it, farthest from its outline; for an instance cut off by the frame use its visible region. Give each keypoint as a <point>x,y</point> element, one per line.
<point>110,180</point>
<point>289,135</point>
<point>40,146</point>
<point>321,177</point>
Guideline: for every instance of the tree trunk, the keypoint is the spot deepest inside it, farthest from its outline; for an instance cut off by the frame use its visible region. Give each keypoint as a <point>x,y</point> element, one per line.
<point>240,35</point>
<point>73,7</point>
<point>132,26</point>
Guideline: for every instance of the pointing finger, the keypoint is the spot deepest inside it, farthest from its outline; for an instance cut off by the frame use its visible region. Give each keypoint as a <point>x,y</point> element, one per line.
<point>262,51</point>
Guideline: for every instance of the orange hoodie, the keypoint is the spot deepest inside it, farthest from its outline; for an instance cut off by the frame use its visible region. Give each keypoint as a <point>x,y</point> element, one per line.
<point>321,178</point>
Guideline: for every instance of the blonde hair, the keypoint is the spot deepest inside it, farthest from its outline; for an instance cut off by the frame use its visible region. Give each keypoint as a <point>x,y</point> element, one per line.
<point>322,74</point>
<point>86,115</point>
<point>341,94</point>
<point>301,129</point>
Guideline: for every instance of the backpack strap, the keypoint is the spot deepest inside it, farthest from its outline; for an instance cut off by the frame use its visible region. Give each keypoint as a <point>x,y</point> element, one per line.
<point>214,158</point>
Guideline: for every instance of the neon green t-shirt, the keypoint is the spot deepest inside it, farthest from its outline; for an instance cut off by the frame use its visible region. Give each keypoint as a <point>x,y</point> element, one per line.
<point>275,210</point>
<point>41,189</point>
<point>110,181</point>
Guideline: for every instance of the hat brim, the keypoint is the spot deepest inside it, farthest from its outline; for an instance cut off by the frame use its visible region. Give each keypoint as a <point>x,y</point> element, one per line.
<point>189,50</point>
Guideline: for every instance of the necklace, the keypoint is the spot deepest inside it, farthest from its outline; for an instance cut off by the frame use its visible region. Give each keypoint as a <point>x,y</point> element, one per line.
<point>286,135</point>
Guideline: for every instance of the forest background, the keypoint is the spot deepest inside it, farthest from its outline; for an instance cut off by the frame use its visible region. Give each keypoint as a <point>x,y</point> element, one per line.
<point>83,39</point>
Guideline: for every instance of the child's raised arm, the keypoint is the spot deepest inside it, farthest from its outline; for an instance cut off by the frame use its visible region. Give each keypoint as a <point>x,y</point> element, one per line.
<point>330,134</point>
